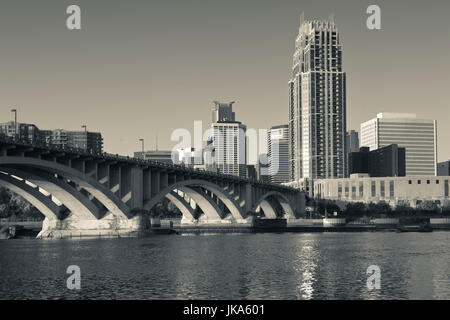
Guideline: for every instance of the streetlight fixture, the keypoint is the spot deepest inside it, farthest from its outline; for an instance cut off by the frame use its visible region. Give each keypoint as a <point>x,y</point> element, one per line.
<point>142,140</point>
<point>15,123</point>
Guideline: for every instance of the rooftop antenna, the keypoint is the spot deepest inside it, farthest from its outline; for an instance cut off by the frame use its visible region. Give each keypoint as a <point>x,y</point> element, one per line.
<point>331,18</point>
<point>302,18</point>
<point>156,144</point>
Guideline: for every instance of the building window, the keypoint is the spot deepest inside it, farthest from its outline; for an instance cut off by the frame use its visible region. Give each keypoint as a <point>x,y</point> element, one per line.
<point>382,189</point>
<point>374,190</point>
<point>428,181</point>
<point>419,181</point>
<point>437,181</point>
<point>339,190</point>
<point>361,189</point>
<point>391,189</point>
<point>353,191</point>
<point>346,190</point>
<point>409,181</point>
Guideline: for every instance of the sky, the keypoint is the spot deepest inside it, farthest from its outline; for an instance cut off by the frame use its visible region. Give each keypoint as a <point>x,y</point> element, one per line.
<point>142,68</point>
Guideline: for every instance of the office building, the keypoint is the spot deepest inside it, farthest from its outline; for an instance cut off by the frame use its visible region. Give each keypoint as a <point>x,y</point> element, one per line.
<point>278,145</point>
<point>262,168</point>
<point>228,141</point>
<point>383,162</point>
<point>417,136</point>
<point>317,104</point>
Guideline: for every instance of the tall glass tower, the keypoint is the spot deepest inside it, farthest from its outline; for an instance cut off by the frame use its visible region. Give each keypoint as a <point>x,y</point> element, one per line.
<point>317,104</point>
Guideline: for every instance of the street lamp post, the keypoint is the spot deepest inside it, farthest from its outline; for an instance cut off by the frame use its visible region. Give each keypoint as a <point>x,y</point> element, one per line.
<point>142,140</point>
<point>15,123</point>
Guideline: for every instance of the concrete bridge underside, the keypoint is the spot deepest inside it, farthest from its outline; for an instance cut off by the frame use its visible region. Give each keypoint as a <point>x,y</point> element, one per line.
<point>89,195</point>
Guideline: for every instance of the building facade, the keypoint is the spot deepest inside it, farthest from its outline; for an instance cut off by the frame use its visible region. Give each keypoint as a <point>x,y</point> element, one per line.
<point>383,162</point>
<point>229,141</point>
<point>352,141</point>
<point>394,190</point>
<point>85,140</point>
<point>317,104</point>
<point>417,136</point>
<point>278,147</point>
<point>30,133</point>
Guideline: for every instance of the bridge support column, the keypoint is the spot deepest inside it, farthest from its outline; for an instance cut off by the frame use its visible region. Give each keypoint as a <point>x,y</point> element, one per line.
<point>248,198</point>
<point>108,226</point>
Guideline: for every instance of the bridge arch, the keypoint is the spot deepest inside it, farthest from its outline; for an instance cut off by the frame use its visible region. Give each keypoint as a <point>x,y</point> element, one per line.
<point>43,203</point>
<point>105,196</point>
<point>71,198</point>
<point>186,210</point>
<point>230,203</point>
<point>281,199</point>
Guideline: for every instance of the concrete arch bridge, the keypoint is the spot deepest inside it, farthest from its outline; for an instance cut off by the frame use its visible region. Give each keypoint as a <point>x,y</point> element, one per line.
<point>89,194</point>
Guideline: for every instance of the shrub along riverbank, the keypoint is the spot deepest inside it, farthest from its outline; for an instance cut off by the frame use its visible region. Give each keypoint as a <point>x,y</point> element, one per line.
<point>381,209</point>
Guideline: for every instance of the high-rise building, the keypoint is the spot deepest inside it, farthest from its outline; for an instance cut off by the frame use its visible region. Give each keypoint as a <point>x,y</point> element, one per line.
<point>278,145</point>
<point>417,136</point>
<point>317,104</point>
<point>229,141</point>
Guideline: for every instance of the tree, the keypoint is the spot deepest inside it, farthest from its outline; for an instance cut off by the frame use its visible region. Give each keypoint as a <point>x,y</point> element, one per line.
<point>355,209</point>
<point>428,206</point>
<point>379,208</point>
<point>404,208</point>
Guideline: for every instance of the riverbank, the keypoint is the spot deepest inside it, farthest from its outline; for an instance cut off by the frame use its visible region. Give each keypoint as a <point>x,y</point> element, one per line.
<point>27,229</point>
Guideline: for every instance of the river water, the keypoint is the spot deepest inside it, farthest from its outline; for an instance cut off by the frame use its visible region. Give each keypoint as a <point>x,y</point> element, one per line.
<point>230,266</point>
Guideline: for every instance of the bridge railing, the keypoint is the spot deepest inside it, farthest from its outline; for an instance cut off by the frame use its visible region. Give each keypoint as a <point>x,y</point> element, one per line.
<point>116,157</point>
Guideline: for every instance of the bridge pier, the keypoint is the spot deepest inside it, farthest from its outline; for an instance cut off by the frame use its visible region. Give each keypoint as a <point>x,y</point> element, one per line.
<point>109,225</point>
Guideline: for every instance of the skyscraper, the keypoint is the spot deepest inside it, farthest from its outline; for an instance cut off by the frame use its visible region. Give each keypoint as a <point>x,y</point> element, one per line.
<point>417,136</point>
<point>317,104</point>
<point>229,141</point>
<point>278,154</point>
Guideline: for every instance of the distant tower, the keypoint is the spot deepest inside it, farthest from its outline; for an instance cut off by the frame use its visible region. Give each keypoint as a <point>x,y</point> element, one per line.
<point>229,141</point>
<point>278,154</point>
<point>317,103</point>
<point>352,141</point>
